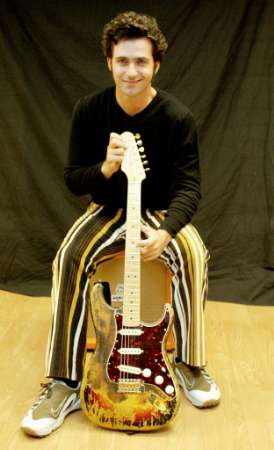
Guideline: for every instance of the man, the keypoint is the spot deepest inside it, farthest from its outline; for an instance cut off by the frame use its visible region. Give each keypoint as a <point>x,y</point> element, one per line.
<point>133,46</point>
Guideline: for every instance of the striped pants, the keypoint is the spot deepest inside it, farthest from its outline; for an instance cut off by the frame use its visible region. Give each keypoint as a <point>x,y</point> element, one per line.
<point>99,235</point>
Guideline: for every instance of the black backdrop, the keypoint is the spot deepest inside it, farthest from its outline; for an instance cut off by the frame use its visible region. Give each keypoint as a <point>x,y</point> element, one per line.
<point>220,63</point>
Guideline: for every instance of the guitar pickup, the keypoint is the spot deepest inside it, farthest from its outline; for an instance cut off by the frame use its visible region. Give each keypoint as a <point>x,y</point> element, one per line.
<point>129,369</point>
<point>130,351</point>
<point>130,331</point>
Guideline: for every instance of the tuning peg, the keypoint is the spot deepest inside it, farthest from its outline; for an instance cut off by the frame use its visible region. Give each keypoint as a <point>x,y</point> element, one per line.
<point>145,162</point>
<point>141,149</point>
<point>139,142</point>
<point>137,136</point>
<point>147,169</point>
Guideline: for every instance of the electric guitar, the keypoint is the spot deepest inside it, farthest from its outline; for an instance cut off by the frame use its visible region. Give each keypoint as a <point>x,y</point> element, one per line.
<point>129,383</point>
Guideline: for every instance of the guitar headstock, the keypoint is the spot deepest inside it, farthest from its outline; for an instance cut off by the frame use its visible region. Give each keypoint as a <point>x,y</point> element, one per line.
<point>132,164</point>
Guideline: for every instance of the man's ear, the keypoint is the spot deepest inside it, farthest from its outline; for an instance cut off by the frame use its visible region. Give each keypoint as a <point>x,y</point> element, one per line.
<point>109,64</point>
<point>156,67</point>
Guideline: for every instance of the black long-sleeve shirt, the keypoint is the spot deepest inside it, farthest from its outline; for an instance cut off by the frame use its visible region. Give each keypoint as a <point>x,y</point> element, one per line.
<point>169,137</point>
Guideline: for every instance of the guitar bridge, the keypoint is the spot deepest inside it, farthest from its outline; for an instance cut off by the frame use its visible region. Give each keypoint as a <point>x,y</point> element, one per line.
<point>130,386</point>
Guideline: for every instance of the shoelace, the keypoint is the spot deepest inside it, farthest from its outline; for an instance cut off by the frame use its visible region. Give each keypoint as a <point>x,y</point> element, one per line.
<point>207,376</point>
<point>44,392</point>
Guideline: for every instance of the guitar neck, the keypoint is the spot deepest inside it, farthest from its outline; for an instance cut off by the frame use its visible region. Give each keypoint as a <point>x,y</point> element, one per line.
<point>132,273</point>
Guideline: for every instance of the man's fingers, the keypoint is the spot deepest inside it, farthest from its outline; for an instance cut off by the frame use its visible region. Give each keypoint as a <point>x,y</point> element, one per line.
<point>114,135</point>
<point>116,151</point>
<point>146,229</point>
<point>116,143</point>
<point>115,140</point>
<point>115,154</point>
<point>143,243</point>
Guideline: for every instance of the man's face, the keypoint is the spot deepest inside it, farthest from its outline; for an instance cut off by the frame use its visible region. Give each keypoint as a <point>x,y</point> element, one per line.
<point>132,66</point>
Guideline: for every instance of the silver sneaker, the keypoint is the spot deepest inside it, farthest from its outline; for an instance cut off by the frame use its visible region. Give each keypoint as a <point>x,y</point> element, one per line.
<point>200,389</point>
<point>56,400</point>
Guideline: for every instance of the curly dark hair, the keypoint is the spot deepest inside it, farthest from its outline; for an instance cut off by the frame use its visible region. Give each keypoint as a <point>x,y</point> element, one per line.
<point>130,25</point>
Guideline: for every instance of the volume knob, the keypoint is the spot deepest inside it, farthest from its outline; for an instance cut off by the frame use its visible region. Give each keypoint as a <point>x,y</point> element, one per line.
<point>146,373</point>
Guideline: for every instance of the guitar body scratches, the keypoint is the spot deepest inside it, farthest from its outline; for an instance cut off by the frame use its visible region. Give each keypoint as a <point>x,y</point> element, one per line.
<point>150,407</point>
<point>129,383</point>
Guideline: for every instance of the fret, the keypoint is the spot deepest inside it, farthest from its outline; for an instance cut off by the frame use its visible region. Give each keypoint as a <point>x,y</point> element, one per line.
<point>131,304</point>
<point>133,168</point>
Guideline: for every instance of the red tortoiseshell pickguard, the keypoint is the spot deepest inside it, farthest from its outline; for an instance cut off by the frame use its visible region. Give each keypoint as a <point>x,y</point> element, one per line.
<point>150,341</point>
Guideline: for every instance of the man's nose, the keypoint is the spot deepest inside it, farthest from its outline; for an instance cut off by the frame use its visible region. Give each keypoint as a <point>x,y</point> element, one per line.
<point>132,72</point>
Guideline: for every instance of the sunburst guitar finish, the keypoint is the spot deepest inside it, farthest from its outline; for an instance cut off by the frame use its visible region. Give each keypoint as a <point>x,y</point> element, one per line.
<point>129,383</point>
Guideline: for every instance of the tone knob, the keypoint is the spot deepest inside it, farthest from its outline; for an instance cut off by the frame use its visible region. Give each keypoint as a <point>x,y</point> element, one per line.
<point>159,379</point>
<point>169,389</point>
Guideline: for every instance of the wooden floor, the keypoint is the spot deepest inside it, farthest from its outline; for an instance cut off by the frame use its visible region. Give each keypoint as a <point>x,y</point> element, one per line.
<point>240,348</point>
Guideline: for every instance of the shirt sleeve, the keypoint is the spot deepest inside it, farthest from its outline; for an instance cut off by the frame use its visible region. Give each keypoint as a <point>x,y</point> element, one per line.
<point>82,172</point>
<point>185,184</point>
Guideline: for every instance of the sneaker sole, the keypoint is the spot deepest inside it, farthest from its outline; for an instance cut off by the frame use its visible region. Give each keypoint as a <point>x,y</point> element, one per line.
<point>194,401</point>
<point>36,433</point>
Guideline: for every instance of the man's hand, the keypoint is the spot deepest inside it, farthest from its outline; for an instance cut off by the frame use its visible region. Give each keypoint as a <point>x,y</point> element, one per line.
<point>154,245</point>
<point>114,156</point>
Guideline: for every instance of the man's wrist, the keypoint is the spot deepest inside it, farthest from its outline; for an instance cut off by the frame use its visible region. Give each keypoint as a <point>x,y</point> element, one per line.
<point>105,170</point>
<point>166,236</point>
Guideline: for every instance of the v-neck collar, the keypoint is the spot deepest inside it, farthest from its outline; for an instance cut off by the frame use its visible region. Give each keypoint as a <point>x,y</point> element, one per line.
<point>140,113</point>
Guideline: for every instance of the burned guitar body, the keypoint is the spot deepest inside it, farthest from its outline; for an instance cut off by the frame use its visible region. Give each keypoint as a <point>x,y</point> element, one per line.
<point>144,396</point>
<point>129,383</point>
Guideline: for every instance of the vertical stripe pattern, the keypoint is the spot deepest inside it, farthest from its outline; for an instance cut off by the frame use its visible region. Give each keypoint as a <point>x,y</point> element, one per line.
<point>99,235</point>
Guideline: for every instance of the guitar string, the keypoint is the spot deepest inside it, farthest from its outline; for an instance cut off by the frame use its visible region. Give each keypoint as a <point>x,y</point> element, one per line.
<point>127,358</point>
